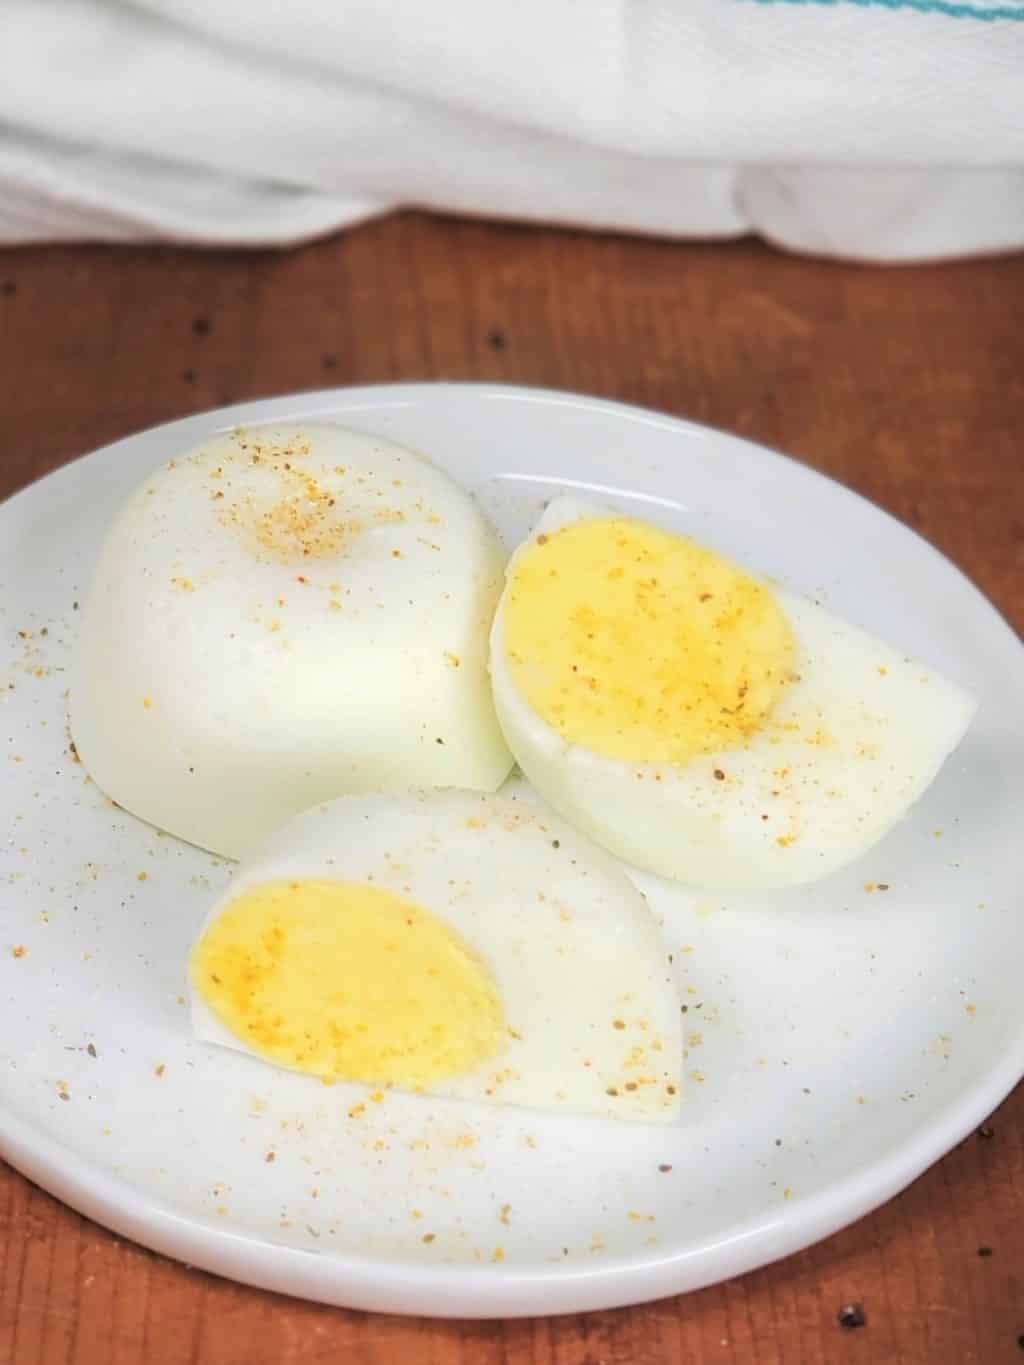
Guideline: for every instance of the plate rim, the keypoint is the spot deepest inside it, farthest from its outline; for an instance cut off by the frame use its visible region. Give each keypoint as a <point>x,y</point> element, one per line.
<point>407,390</point>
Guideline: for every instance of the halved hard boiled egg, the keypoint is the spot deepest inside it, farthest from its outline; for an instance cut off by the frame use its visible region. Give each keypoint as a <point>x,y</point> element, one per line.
<point>697,721</point>
<point>448,943</point>
<point>282,615</point>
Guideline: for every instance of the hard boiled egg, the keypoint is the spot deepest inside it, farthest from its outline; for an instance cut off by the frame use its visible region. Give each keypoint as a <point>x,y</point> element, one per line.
<point>279,616</point>
<point>695,720</point>
<point>448,943</point>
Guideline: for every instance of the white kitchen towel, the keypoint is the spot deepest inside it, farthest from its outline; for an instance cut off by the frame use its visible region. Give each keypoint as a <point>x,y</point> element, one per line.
<point>871,129</point>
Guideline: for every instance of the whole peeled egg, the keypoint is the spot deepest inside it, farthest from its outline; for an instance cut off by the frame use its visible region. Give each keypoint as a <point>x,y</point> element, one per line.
<point>697,721</point>
<point>448,943</point>
<point>281,615</point>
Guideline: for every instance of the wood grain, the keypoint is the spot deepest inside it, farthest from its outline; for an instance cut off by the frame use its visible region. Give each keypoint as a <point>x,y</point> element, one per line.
<point>906,384</point>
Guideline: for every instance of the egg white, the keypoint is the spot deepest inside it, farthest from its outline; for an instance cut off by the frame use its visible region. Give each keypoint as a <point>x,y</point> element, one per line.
<point>784,808</point>
<point>281,615</point>
<point>578,958</point>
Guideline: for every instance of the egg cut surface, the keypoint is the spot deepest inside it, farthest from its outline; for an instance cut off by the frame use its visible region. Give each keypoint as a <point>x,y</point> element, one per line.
<point>282,615</point>
<point>447,943</point>
<point>698,722</point>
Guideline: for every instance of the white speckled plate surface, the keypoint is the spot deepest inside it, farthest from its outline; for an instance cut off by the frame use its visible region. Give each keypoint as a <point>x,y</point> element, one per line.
<point>839,1041</point>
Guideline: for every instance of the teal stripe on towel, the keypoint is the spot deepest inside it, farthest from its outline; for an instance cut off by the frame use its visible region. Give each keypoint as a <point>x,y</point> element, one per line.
<point>949,8</point>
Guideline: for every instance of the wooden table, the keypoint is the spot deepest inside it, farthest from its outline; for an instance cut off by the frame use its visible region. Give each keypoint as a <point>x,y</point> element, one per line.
<point>906,384</point>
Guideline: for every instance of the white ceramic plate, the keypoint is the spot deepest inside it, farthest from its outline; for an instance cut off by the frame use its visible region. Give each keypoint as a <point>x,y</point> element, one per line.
<point>839,1041</point>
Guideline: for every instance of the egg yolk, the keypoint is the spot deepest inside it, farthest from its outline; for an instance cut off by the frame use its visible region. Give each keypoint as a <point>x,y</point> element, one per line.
<point>348,982</point>
<point>640,645</point>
